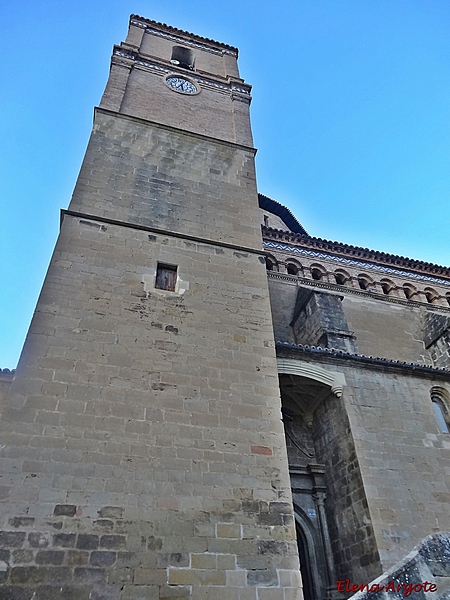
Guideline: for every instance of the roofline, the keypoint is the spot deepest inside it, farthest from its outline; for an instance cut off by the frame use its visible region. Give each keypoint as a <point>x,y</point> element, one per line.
<point>181,32</point>
<point>283,212</point>
<point>356,251</point>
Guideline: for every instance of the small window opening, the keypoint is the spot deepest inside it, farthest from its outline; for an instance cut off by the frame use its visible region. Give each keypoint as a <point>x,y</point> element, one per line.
<point>439,412</point>
<point>182,57</point>
<point>386,287</point>
<point>166,277</point>
<point>340,278</point>
<point>269,264</point>
<point>363,283</point>
<point>266,220</point>
<point>430,295</point>
<point>408,292</point>
<point>316,274</point>
<point>440,409</point>
<point>448,298</point>
<point>292,269</point>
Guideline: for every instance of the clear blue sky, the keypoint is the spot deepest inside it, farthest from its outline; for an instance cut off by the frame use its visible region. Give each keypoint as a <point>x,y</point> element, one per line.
<point>350,113</point>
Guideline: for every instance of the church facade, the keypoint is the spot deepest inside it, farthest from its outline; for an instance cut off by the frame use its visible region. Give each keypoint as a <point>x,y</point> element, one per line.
<point>211,403</point>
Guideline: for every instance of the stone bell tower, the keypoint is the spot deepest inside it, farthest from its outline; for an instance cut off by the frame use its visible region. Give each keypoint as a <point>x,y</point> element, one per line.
<point>143,452</point>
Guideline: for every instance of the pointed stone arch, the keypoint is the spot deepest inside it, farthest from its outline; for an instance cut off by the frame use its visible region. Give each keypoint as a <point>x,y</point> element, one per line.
<point>309,546</point>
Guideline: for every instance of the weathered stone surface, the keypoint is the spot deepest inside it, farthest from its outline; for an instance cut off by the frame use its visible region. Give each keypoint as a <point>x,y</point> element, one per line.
<point>65,540</point>
<point>11,539</point>
<point>64,510</point>
<point>87,541</point>
<point>143,453</point>
<point>319,320</point>
<point>417,575</point>
<point>143,427</point>
<point>22,522</point>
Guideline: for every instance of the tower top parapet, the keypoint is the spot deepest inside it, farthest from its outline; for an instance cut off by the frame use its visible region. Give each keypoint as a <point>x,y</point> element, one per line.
<point>156,60</point>
<point>186,36</point>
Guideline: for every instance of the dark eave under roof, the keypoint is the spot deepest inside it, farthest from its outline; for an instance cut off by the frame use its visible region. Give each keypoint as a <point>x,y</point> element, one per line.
<point>283,212</point>
<point>283,347</point>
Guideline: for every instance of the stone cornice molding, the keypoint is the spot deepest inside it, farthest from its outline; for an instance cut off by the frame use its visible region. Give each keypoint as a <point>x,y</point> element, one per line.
<point>335,381</point>
<point>138,227</point>
<point>365,254</point>
<point>154,64</point>
<point>287,347</point>
<point>344,290</point>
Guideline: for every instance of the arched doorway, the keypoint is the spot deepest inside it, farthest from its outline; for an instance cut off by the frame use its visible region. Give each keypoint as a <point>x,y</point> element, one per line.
<point>311,554</point>
<point>305,566</point>
<point>305,388</point>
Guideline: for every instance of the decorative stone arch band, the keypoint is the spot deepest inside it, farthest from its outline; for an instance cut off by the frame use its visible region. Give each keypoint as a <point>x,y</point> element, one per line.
<point>335,381</point>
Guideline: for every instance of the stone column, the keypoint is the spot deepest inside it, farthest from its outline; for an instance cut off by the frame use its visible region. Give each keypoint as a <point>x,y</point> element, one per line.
<point>319,499</point>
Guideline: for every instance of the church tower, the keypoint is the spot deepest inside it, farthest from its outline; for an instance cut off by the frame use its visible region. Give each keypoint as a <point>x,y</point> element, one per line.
<point>143,451</point>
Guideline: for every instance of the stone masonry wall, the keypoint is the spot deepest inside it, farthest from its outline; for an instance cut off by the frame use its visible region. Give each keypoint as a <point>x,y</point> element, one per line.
<point>6,377</point>
<point>353,540</point>
<point>403,457</point>
<point>319,320</point>
<point>381,328</point>
<point>144,455</point>
<point>386,462</point>
<point>437,339</point>
<point>155,176</point>
<point>283,295</point>
<point>208,112</point>
<point>387,330</point>
<point>385,325</point>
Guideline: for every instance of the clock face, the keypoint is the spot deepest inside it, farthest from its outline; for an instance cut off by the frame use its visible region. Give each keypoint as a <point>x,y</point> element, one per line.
<point>182,85</point>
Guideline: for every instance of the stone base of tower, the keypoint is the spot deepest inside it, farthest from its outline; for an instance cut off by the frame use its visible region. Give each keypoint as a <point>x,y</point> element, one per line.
<point>144,453</point>
<point>70,556</point>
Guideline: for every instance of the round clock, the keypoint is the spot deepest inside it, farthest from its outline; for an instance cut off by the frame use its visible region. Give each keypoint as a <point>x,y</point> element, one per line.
<point>181,85</point>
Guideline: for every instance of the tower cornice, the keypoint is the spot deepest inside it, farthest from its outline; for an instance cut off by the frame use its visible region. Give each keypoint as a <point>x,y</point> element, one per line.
<point>219,83</point>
